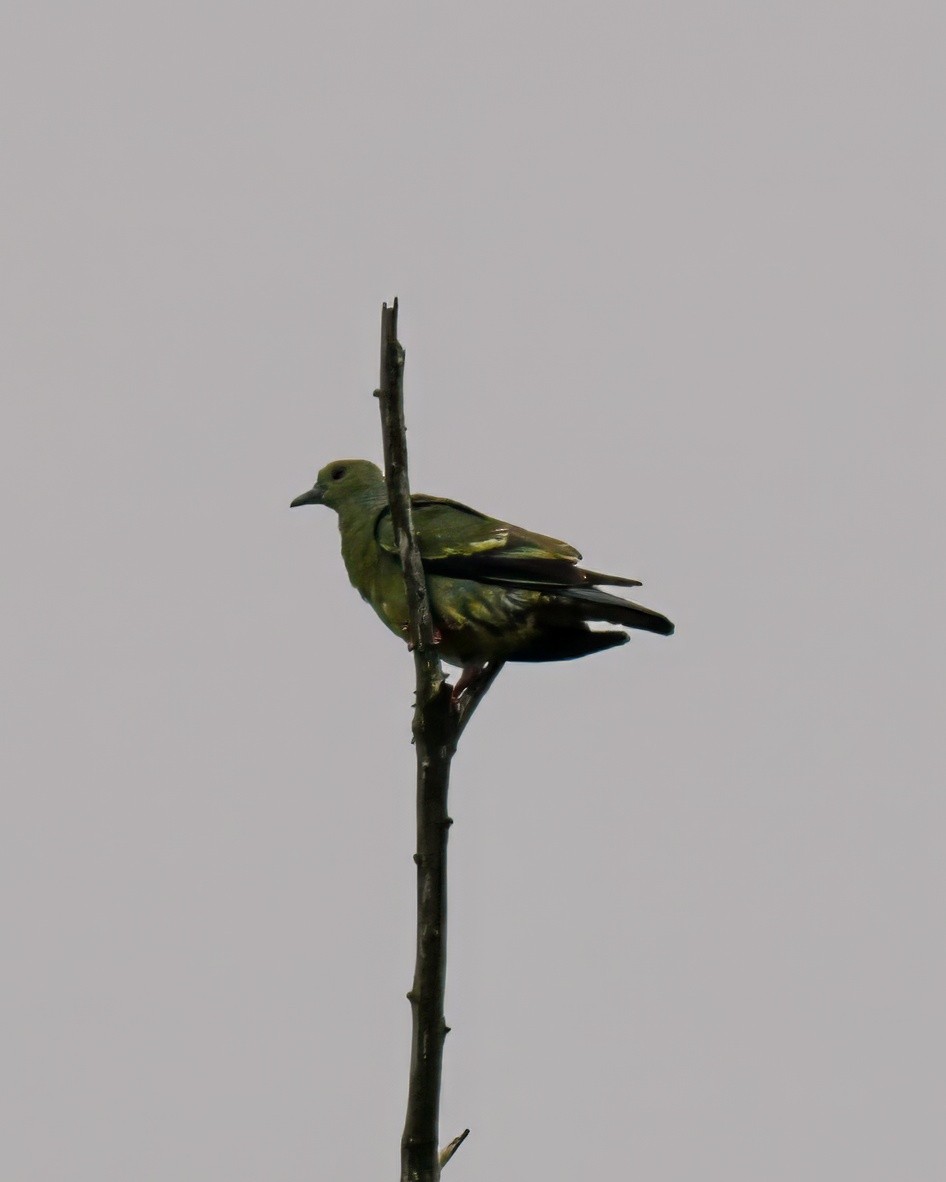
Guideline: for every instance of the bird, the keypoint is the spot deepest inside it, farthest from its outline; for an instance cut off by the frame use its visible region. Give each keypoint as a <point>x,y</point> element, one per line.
<point>497,592</point>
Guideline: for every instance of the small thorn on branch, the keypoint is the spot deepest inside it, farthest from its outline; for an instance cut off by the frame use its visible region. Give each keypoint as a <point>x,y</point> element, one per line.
<point>449,1150</point>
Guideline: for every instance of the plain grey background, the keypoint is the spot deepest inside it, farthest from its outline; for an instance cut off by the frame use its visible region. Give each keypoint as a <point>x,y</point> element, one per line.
<point>672,288</point>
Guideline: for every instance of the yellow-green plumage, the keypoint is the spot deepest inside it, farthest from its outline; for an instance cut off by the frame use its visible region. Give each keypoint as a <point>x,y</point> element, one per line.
<point>497,592</point>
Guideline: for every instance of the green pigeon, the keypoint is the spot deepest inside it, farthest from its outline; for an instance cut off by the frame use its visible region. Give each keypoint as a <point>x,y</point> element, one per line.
<point>497,592</point>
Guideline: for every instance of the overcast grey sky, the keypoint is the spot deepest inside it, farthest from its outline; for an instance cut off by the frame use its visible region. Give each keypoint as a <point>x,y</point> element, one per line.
<point>672,288</point>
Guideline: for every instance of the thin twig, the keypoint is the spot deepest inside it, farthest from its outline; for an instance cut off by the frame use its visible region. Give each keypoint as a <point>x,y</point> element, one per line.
<point>449,1150</point>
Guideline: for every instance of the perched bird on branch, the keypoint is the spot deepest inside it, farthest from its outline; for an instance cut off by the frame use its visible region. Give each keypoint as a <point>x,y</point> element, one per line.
<point>496,592</point>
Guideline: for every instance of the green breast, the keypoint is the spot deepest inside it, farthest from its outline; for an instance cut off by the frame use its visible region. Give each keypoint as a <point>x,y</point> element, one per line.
<point>373,572</point>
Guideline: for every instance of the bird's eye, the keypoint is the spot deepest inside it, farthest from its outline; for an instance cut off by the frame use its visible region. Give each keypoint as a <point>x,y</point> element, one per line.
<point>338,473</point>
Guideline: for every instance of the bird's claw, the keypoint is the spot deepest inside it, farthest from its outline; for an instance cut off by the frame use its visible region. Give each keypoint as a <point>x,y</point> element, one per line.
<point>438,637</point>
<point>469,677</point>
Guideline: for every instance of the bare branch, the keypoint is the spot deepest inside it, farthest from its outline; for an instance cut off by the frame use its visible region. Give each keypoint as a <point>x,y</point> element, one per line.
<point>394,437</point>
<point>437,726</point>
<point>434,744</point>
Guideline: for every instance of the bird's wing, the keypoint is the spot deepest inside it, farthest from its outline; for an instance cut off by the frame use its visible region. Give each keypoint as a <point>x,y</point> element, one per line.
<point>447,529</point>
<point>462,543</point>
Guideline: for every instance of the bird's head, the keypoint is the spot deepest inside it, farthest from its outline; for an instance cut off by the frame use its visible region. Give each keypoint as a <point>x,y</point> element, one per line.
<point>343,482</point>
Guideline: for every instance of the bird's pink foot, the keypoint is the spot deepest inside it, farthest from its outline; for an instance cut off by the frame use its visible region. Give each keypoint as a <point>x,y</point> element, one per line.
<point>470,674</point>
<point>438,636</point>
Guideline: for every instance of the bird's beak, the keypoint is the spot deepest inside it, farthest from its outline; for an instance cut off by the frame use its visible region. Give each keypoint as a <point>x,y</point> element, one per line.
<point>313,497</point>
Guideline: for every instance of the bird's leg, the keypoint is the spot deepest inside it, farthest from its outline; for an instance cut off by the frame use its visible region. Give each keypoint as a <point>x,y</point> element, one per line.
<point>470,675</point>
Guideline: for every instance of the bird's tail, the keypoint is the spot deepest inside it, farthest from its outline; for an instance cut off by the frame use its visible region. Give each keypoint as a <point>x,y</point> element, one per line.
<point>601,607</point>
<point>567,642</point>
